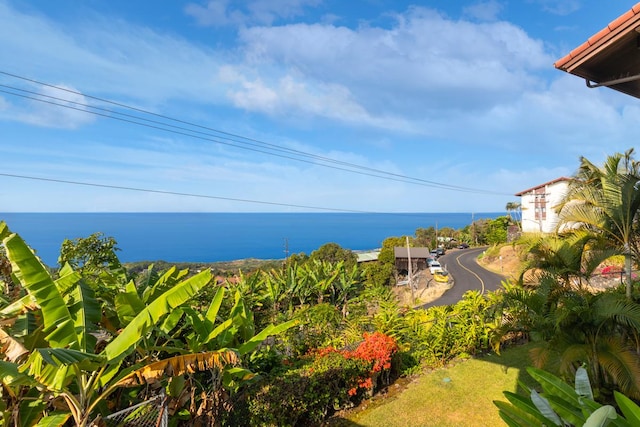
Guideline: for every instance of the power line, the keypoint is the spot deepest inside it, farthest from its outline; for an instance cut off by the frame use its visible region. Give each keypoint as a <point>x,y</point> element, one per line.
<point>176,193</point>
<point>185,133</point>
<point>247,142</point>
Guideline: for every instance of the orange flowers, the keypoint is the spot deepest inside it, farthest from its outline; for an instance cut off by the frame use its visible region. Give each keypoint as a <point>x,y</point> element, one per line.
<point>376,349</point>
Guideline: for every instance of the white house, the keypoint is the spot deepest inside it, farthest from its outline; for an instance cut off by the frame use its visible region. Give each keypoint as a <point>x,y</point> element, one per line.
<point>538,205</point>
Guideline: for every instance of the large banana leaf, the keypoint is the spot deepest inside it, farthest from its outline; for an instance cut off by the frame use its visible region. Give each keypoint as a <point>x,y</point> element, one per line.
<point>52,367</point>
<point>31,408</point>
<point>601,417</point>
<point>34,277</point>
<point>521,414</point>
<point>270,330</point>
<point>66,356</point>
<point>629,408</point>
<point>200,326</point>
<point>18,307</point>
<point>67,279</point>
<point>85,312</point>
<point>128,303</point>
<point>554,386</point>
<point>172,320</point>
<point>152,313</point>
<point>214,307</point>
<point>180,365</point>
<point>55,420</point>
<point>544,407</point>
<point>166,281</point>
<point>11,375</point>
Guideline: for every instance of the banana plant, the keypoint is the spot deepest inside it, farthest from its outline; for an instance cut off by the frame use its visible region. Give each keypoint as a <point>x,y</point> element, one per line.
<point>559,404</point>
<point>60,361</point>
<point>348,281</point>
<point>322,275</point>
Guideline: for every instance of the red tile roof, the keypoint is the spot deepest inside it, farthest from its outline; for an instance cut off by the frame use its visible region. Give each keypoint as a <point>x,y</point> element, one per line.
<point>554,181</point>
<point>601,36</point>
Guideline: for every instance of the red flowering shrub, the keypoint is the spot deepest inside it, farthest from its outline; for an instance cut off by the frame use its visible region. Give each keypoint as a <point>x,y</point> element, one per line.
<point>330,379</point>
<point>321,352</point>
<point>378,350</point>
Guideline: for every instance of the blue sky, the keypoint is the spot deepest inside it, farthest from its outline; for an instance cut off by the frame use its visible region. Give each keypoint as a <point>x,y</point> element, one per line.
<point>300,105</point>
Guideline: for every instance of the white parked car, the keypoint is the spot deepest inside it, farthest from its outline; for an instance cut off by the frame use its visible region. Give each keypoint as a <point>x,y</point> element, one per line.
<point>435,266</point>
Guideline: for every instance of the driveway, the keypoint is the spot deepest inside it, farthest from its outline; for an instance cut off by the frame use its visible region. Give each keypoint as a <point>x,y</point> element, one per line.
<point>467,275</point>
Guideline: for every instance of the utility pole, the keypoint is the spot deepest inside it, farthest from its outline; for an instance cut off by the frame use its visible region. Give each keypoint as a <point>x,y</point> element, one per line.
<point>409,270</point>
<point>473,230</point>
<point>286,252</point>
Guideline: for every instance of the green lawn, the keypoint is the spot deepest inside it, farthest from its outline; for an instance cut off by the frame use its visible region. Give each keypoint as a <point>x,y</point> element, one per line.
<point>459,396</point>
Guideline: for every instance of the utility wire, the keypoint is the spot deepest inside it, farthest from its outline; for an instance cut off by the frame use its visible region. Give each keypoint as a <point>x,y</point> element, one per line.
<point>132,119</point>
<point>226,136</point>
<point>213,140</point>
<point>185,133</point>
<point>176,193</point>
<point>195,195</point>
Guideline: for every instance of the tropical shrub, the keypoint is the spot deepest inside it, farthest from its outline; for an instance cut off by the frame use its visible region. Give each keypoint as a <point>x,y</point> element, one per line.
<point>442,333</point>
<point>559,404</point>
<point>334,253</point>
<point>326,380</point>
<point>572,327</point>
<point>52,343</point>
<point>64,358</point>
<point>320,325</point>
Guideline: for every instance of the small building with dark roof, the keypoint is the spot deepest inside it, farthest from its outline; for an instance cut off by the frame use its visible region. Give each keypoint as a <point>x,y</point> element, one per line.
<point>419,258</point>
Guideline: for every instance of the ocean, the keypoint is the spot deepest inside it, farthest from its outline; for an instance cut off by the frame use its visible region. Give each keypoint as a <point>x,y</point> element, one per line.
<point>211,237</point>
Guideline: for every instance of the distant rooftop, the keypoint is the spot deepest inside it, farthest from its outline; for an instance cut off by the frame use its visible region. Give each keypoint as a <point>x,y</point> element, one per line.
<point>368,256</point>
<point>554,181</point>
<point>401,252</point>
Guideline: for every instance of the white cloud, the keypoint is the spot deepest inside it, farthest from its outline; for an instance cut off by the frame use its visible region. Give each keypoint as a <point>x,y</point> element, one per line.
<point>302,98</point>
<point>62,108</point>
<point>484,11</point>
<point>104,56</point>
<point>220,13</point>
<point>423,69</point>
<point>455,101</point>
<point>426,65</point>
<point>560,7</point>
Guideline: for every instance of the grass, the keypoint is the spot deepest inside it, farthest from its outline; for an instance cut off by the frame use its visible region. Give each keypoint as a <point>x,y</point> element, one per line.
<point>460,395</point>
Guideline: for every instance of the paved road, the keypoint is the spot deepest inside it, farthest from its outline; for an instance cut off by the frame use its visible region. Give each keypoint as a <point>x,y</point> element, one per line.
<point>467,275</point>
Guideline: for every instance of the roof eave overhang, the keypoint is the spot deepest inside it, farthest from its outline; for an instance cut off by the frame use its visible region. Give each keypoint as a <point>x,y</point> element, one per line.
<point>610,57</point>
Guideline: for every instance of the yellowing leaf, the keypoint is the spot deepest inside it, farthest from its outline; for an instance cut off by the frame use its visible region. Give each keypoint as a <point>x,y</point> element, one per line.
<point>180,365</point>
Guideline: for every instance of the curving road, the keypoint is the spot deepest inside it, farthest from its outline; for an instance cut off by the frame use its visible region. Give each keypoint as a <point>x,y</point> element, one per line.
<point>467,275</point>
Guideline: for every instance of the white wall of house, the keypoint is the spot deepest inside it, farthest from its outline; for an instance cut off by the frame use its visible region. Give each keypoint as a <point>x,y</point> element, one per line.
<point>538,206</point>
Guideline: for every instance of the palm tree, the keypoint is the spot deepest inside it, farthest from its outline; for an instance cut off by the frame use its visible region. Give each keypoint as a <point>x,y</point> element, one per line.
<point>572,327</point>
<point>515,208</point>
<point>605,200</point>
<point>568,260</point>
<point>598,330</point>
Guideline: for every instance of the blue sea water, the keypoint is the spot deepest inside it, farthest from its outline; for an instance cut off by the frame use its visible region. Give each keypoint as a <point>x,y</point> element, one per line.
<point>210,237</point>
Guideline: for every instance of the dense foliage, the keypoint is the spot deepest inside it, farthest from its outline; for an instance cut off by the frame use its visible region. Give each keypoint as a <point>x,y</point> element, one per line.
<point>577,330</point>
<point>282,346</point>
<point>559,404</point>
<point>292,342</point>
